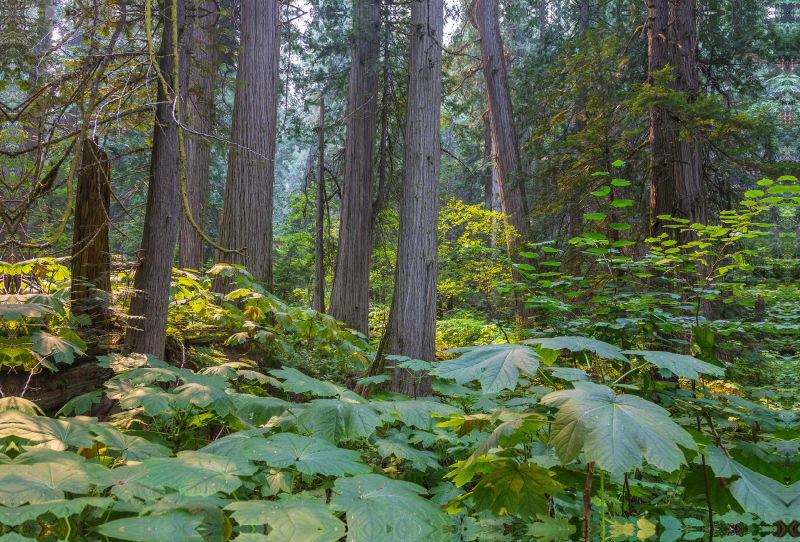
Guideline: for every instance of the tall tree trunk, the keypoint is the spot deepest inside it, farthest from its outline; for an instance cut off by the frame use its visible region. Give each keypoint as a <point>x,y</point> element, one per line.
<point>411,328</point>
<point>377,206</point>
<point>350,290</point>
<point>505,143</point>
<point>319,254</point>
<point>199,113</point>
<point>488,179</point>
<point>690,197</point>
<point>91,257</point>
<point>147,323</point>
<point>662,151</point>
<point>247,207</point>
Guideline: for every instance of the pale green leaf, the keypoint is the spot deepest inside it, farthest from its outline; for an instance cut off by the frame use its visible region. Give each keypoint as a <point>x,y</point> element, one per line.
<point>497,366</point>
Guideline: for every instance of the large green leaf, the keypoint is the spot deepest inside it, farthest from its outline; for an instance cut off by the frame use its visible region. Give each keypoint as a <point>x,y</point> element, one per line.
<point>173,526</point>
<point>679,364</point>
<point>379,508</point>
<point>307,454</point>
<point>497,366</point>
<point>55,434</point>
<point>203,395</point>
<point>133,448</point>
<point>766,498</point>
<point>29,408</point>
<point>152,399</point>
<point>420,413</point>
<point>259,409</point>
<point>14,311</point>
<point>197,474</point>
<point>232,444</point>
<point>396,444</point>
<point>295,520</point>
<point>549,529</point>
<point>51,345</point>
<point>80,404</point>
<point>39,483</point>
<point>60,508</point>
<point>297,382</point>
<point>125,482</point>
<point>579,344</point>
<point>148,375</point>
<point>618,431</point>
<point>335,420</point>
<point>515,489</point>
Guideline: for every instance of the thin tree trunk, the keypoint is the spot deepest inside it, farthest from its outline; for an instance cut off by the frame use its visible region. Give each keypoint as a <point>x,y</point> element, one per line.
<point>411,329</point>
<point>91,257</point>
<point>350,290</point>
<point>319,254</point>
<point>147,322</point>
<point>247,207</point>
<point>199,111</point>
<point>505,143</point>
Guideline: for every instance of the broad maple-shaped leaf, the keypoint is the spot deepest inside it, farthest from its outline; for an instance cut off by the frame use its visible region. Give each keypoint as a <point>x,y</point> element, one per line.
<point>307,454</point>
<point>29,408</point>
<point>80,404</point>
<point>297,382</point>
<point>766,498</point>
<point>39,483</point>
<point>679,364</point>
<point>396,444</point>
<point>176,525</point>
<point>54,434</point>
<point>296,520</point>
<point>232,444</point>
<point>497,366</point>
<point>125,483</point>
<point>379,508</point>
<point>579,344</point>
<point>14,311</point>
<point>60,508</point>
<point>618,431</point>
<point>258,409</point>
<point>336,421</point>
<point>60,350</point>
<point>515,489</point>
<point>197,474</point>
<point>148,375</point>
<point>420,413</point>
<point>133,448</point>
<point>204,396</point>
<point>152,399</point>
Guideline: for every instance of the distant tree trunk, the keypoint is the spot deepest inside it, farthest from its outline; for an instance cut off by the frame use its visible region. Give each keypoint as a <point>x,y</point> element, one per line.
<point>488,184</point>
<point>247,207</point>
<point>690,196</point>
<point>662,151</point>
<point>199,113</point>
<point>377,206</point>
<point>350,290</point>
<point>504,134</point>
<point>319,254</point>
<point>147,323</point>
<point>411,328</point>
<point>91,257</point>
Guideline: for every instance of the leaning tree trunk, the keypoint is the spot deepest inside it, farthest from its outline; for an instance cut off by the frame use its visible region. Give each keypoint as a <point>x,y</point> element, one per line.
<point>147,316</point>
<point>199,111</point>
<point>411,328</point>
<point>350,290</point>
<point>247,207</point>
<point>91,257</point>
<point>662,152</point>
<point>504,135</point>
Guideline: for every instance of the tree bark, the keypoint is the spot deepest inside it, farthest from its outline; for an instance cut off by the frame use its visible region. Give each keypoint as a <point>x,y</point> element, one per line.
<point>662,151</point>
<point>147,324</point>
<point>91,257</point>
<point>319,254</point>
<point>690,197</point>
<point>505,143</point>
<point>488,179</point>
<point>350,290</point>
<point>200,107</point>
<point>411,328</point>
<point>246,220</point>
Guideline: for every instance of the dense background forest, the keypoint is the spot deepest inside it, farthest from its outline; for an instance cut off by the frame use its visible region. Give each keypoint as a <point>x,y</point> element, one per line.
<point>436,271</point>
